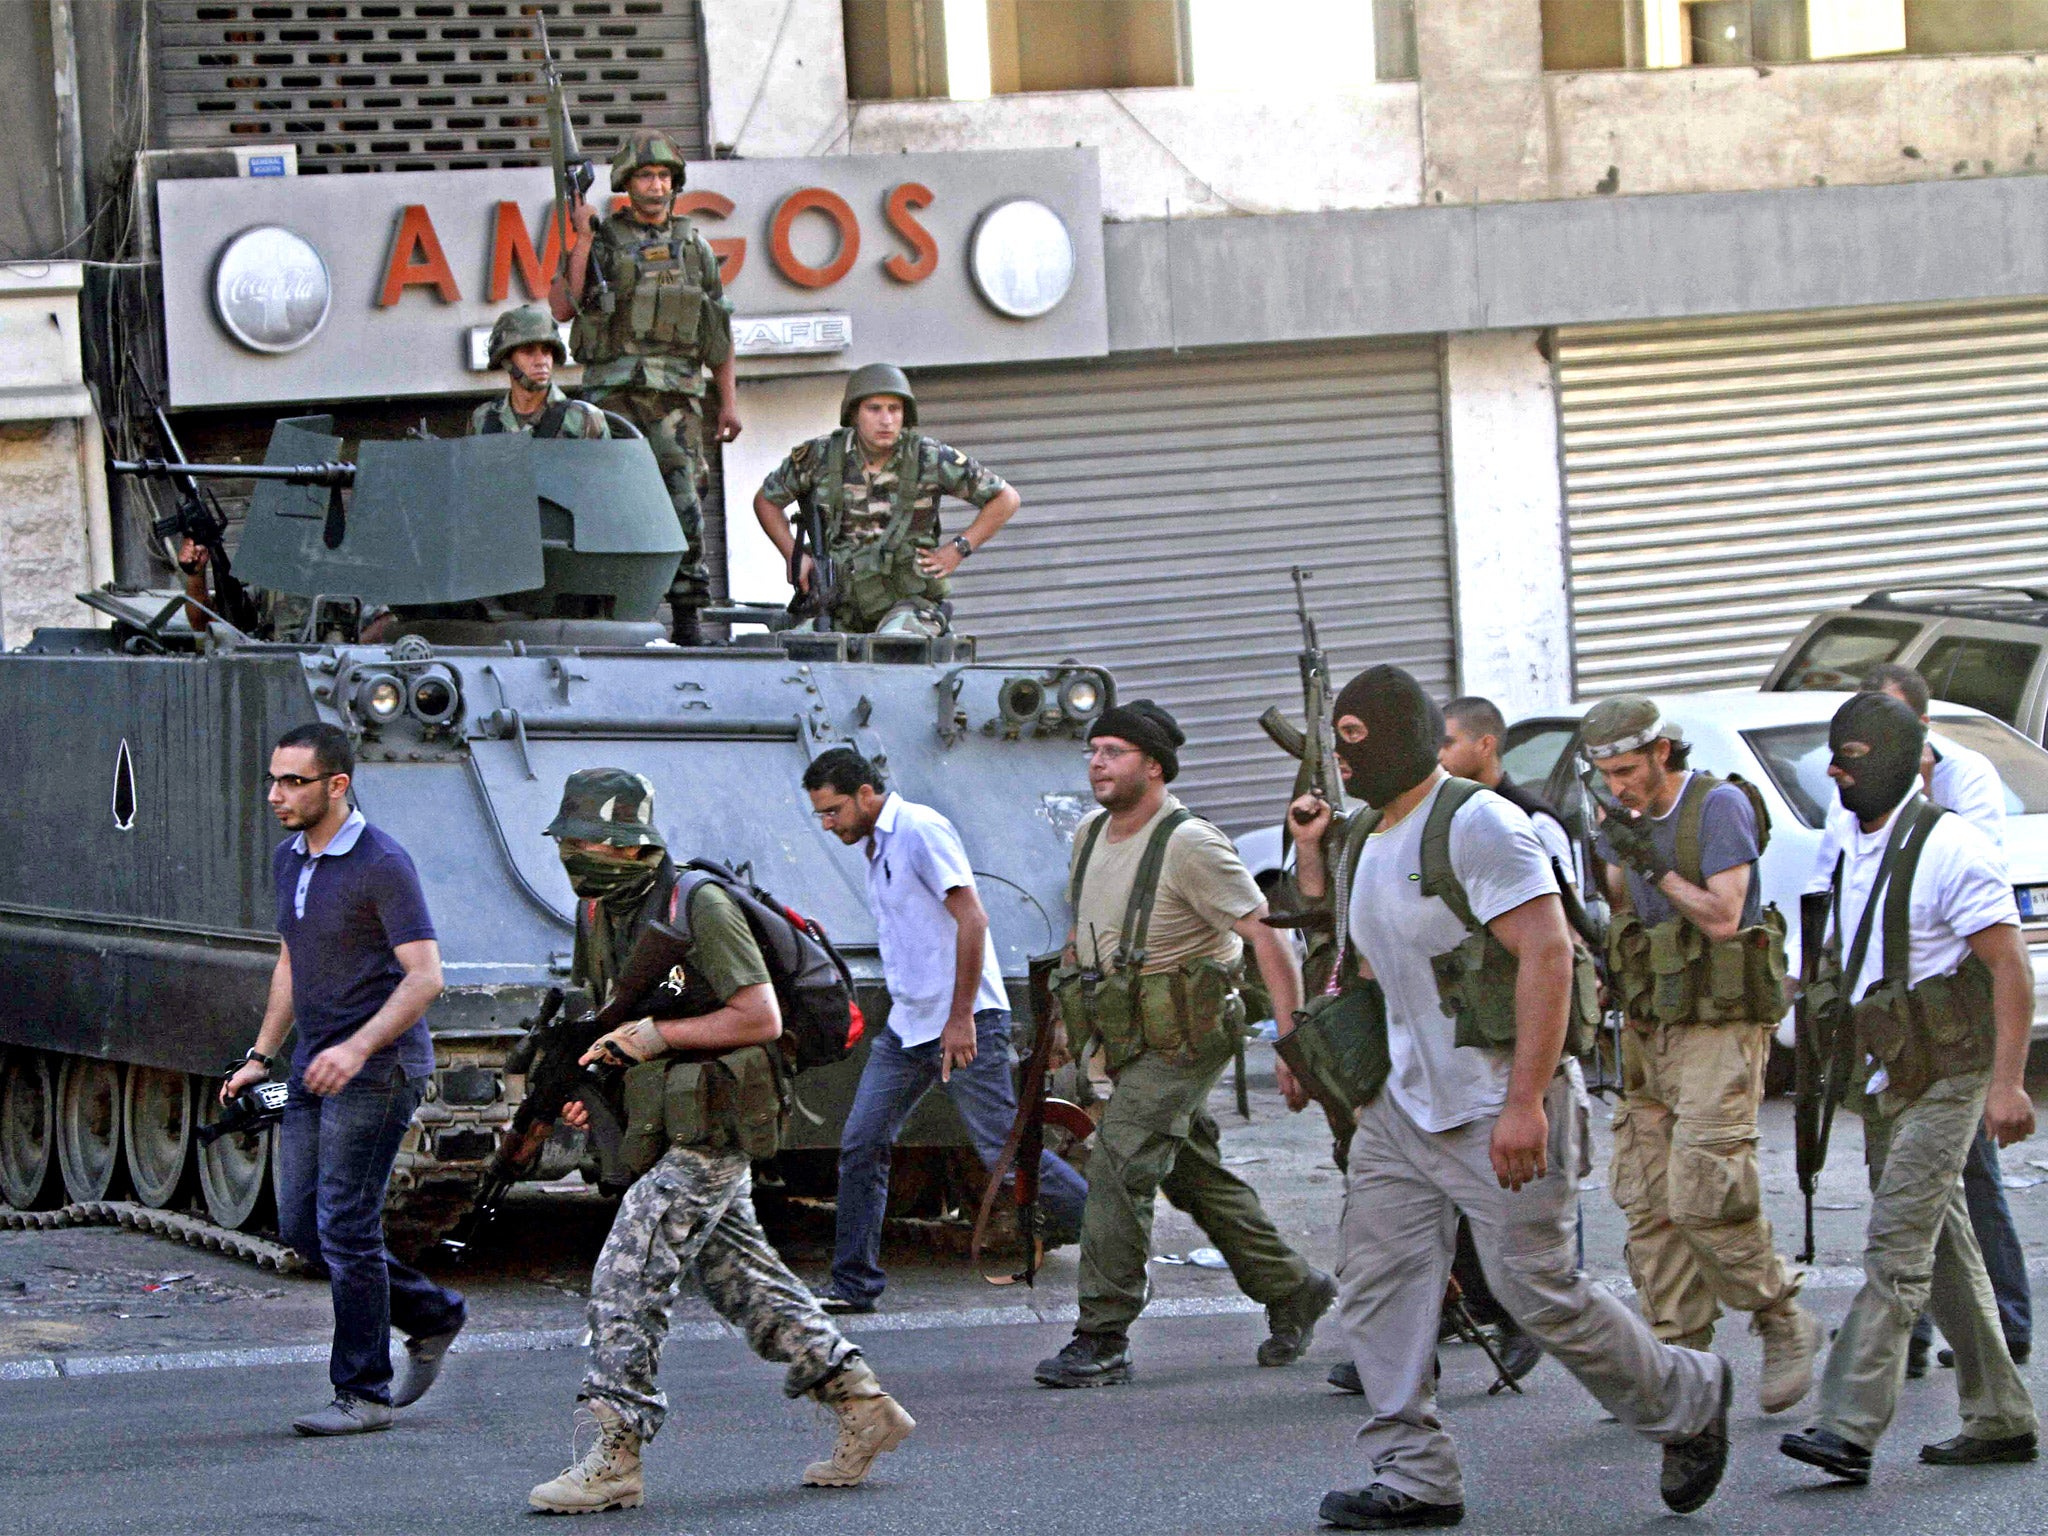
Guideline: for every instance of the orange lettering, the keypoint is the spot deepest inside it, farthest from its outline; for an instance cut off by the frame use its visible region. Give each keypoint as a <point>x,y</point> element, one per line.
<point>897,210</point>
<point>833,206</point>
<point>510,242</point>
<point>731,253</point>
<point>416,237</point>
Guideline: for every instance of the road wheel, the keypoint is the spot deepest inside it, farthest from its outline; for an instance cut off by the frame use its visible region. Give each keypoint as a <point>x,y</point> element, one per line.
<point>29,1179</point>
<point>234,1173</point>
<point>156,1130</point>
<point>89,1126</point>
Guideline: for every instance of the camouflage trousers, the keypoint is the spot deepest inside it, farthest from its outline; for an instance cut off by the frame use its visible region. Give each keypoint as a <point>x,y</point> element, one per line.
<point>696,1207</point>
<point>1685,1174</point>
<point>674,425</point>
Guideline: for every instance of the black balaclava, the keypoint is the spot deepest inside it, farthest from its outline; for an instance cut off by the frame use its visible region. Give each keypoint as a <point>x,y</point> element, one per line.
<point>1895,737</point>
<point>1403,727</point>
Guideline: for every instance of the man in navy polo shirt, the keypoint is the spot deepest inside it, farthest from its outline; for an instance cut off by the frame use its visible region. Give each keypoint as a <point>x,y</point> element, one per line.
<point>356,971</point>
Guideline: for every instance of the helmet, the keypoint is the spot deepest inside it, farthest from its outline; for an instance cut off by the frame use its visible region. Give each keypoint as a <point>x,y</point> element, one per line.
<point>517,327</point>
<point>648,146</point>
<point>607,805</point>
<point>877,379</point>
<point>1626,723</point>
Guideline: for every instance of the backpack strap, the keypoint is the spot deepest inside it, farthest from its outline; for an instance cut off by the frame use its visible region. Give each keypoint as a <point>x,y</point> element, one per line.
<point>689,882</point>
<point>551,419</point>
<point>1081,860</point>
<point>1906,824</point>
<point>830,490</point>
<point>1438,878</point>
<point>1145,889</point>
<point>1898,906</point>
<point>1362,824</point>
<point>1692,811</point>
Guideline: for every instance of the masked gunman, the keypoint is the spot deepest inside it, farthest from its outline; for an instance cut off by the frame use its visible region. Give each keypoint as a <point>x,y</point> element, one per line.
<point>714,1021</point>
<point>1163,909</point>
<point>525,343</point>
<point>1698,966</point>
<point>1442,895</point>
<point>874,488</point>
<point>650,318</point>
<point>1925,964</point>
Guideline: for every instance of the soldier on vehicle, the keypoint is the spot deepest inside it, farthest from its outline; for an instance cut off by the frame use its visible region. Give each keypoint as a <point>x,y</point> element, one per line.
<point>693,1210</point>
<point>1926,949</point>
<point>1163,909</point>
<point>878,482</point>
<point>1698,968</point>
<point>646,334</point>
<point>525,343</point>
<point>1441,894</point>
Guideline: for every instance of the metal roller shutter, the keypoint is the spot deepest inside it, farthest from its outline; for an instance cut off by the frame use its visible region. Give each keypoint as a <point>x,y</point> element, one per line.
<point>1726,479</point>
<point>1164,501</point>
<point>421,85</point>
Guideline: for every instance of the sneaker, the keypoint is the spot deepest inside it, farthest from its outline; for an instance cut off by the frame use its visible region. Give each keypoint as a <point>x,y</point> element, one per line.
<point>870,1422</point>
<point>1693,1466</point>
<point>1380,1508</point>
<point>346,1415</point>
<point>1089,1360</point>
<point>423,1357</point>
<point>1791,1336</point>
<point>1292,1322</point>
<point>1823,1448</point>
<point>606,1477</point>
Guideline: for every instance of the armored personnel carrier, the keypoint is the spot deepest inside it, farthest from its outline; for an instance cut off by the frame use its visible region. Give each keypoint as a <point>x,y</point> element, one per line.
<point>479,614</point>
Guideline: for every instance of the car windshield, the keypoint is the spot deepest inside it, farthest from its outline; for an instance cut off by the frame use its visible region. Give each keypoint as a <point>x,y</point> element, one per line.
<point>1796,757</point>
<point>1838,653</point>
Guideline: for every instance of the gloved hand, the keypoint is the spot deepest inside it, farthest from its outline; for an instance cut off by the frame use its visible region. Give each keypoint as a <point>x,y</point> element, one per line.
<point>1633,844</point>
<point>637,1041</point>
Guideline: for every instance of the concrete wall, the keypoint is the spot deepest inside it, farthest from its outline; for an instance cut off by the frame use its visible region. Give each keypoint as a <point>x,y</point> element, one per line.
<point>776,91</point>
<point>45,555</point>
<point>775,415</point>
<point>1507,521</point>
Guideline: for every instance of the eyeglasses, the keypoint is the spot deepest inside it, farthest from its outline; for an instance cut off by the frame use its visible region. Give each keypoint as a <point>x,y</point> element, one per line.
<point>293,781</point>
<point>1106,754</point>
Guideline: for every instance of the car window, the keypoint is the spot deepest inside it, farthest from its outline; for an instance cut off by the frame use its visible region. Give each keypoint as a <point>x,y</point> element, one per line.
<point>1532,750</point>
<point>1837,654</point>
<point>1796,757</point>
<point>1990,675</point>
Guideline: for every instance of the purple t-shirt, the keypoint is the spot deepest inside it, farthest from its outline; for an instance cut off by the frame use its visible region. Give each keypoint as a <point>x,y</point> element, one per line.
<point>362,900</point>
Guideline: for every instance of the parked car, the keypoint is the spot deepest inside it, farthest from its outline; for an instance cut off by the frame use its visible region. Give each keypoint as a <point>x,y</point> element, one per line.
<point>1986,647</point>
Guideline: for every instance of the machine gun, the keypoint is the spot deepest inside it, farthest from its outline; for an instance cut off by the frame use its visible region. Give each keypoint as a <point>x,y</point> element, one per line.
<point>198,516</point>
<point>1823,1056</point>
<point>1318,741</point>
<point>336,477</point>
<point>550,1058</point>
<point>574,174</point>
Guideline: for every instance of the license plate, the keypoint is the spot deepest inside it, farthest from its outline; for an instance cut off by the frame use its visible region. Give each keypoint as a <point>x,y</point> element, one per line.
<point>2033,900</point>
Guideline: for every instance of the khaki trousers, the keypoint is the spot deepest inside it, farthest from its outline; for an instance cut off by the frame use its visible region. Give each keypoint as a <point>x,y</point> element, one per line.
<point>1685,1173</point>
<point>1402,1194</point>
<point>1920,1250</point>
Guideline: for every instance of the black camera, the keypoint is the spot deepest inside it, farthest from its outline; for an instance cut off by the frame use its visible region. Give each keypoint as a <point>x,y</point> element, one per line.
<point>254,1109</point>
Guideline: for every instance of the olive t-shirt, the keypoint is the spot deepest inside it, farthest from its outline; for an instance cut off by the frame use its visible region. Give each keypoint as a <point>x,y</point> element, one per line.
<point>1204,889</point>
<point>722,947</point>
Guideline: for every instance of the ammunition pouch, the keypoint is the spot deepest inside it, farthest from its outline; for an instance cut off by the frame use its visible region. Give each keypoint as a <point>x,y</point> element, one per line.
<point>1672,974</point>
<point>1338,1048</point>
<point>1943,1027</point>
<point>1475,983</point>
<point>733,1102</point>
<point>875,577</point>
<point>660,303</point>
<point>1191,1013</point>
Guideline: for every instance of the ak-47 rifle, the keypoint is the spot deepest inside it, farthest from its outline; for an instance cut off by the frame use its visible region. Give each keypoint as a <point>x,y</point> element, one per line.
<point>1823,1057</point>
<point>1319,742</point>
<point>574,174</point>
<point>198,516</point>
<point>815,603</point>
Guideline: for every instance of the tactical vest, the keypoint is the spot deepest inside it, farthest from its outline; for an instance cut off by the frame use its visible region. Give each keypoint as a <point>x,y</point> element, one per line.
<point>874,577</point>
<point>1475,981</point>
<point>1191,1013</point>
<point>660,293</point>
<point>549,423</point>
<point>1672,973</point>
<point>1944,1027</point>
<point>719,1101</point>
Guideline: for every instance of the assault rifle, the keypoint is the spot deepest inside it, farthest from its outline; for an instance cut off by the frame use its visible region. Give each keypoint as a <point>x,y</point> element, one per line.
<point>816,604</point>
<point>1823,1057</point>
<point>1318,739</point>
<point>197,515</point>
<point>574,174</point>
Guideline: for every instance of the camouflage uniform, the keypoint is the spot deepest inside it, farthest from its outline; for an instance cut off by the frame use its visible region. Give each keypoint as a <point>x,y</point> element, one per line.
<point>867,505</point>
<point>580,420</point>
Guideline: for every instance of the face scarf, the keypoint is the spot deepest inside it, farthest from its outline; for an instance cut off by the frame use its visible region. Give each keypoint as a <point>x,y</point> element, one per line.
<point>1891,767</point>
<point>1403,728</point>
<point>616,885</point>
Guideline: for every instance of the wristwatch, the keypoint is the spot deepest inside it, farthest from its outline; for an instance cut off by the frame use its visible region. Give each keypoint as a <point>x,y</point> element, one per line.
<point>960,543</point>
<point>269,1063</point>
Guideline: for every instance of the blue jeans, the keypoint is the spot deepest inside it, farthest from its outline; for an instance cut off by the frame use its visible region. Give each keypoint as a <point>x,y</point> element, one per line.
<point>895,1078</point>
<point>2004,1260</point>
<point>335,1156</point>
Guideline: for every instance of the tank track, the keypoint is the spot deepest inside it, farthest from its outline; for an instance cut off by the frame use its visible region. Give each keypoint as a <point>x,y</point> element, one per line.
<point>194,1231</point>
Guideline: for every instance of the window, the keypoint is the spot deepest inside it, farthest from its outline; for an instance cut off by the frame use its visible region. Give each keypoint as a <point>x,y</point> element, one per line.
<point>1841,651</point>
<point>1796,757</point>
<point>2022,766</point>
<point>898,49</point>
<point>1990,675</point>
<point>1534,748</point>
<point>1674,34</point>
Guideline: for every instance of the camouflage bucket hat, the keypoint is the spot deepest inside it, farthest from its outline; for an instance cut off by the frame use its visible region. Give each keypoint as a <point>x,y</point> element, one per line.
<point>1627,723</point>
<point>607,805</point>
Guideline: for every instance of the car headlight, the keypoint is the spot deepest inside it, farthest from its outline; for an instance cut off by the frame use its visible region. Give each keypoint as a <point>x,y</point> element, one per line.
<point>435,698</point>
<point>1021,700</point>
<point>378,697</point>
<point>1081,696</point>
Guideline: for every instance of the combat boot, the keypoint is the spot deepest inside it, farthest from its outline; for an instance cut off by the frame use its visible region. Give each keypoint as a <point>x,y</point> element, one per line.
<point>608,1476</point>
<point>870,1422</point>
<point>1791,1336</point>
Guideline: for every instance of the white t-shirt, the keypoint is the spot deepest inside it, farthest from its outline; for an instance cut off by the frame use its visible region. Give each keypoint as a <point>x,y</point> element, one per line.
<point>1964,781</point>
<point>914,858</point>
<point>1557,844</point>
<point>1959,888</point>
<point>1500,861</point>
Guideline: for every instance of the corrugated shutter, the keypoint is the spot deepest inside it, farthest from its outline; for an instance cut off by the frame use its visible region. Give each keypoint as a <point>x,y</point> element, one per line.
<point>1165,500</point>
<point>1726,479</point>
<point>422,85</point>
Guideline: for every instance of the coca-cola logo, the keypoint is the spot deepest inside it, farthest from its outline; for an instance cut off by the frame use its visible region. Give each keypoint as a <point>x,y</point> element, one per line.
<point>271,289</point>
